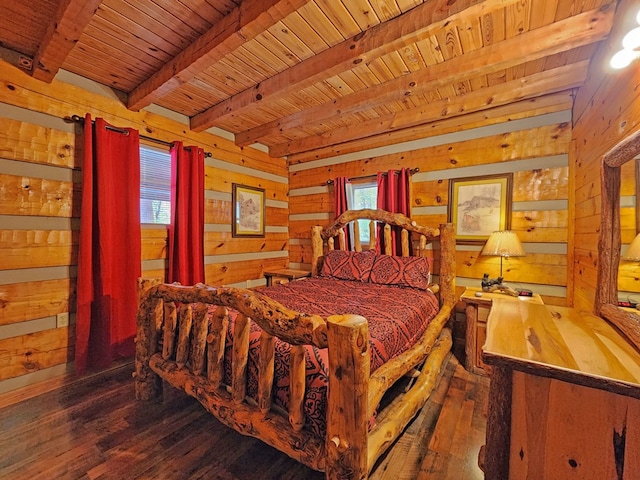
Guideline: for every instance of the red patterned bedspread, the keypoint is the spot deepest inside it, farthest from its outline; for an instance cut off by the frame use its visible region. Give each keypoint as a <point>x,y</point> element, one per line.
<point>397,317</point>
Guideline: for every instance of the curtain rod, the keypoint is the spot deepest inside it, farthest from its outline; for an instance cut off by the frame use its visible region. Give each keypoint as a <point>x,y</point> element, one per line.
<point>79,119</point>
<point>375,175</point>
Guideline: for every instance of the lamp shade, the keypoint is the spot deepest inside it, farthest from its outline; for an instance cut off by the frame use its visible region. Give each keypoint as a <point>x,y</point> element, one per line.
<point>633,253</point>
<point>504,243</point>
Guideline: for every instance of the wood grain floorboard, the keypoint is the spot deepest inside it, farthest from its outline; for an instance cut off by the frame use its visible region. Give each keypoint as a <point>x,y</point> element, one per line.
<point>93,428</point>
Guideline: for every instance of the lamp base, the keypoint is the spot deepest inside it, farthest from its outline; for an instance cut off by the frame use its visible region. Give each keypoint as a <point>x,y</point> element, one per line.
<point>496,284</point>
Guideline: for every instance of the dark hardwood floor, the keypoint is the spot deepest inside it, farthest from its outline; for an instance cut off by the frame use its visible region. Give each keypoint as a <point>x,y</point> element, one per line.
<point>93,428</point>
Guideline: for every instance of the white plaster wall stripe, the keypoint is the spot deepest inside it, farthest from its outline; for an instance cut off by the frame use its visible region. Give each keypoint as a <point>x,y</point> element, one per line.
<point>29,222</point>
<point>276,203</point>
<point>31,378</point>
<point>470,134</point>
<point>556,248</point>
<point>28,275</point>
<point>244,257</point>
<point>542,205</point>
<point>36,118</point>
<point>553,161</point>
<point>37,170</point>
<point>232,167</point>
<point>298,192</point>
<point>309,216</point>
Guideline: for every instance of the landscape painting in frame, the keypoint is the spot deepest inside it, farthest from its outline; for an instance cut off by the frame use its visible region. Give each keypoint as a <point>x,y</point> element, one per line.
<point>479,206</point>
<point>248,211</point>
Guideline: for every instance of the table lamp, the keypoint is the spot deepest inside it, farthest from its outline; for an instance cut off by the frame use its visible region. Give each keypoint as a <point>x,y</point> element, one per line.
<point>506,243</point>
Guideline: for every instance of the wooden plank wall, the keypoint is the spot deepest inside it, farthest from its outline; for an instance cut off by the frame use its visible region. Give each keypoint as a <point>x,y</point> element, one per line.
<point>606,110</point>
<point>530,140</point>
<point>39,214</point>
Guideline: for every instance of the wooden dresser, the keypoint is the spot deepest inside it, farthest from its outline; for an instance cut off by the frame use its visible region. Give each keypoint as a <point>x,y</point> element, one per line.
<point>564,397</point>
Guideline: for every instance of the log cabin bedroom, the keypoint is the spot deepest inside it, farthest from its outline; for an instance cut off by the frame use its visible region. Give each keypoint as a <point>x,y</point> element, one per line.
<point>320,239</point>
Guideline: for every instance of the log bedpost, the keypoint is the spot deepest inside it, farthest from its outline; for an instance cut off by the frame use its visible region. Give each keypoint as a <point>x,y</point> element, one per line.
<point>316,248</point>
<point>347,421</point>
<point>147,384</point>
<point>447,265</point>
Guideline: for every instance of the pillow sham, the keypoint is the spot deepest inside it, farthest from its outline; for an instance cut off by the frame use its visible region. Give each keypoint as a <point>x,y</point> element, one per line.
<point>402,271</point>
<point>347,265</point>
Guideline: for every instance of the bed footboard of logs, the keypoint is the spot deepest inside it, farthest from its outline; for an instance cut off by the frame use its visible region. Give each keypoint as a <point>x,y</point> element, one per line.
<point>181,337</point>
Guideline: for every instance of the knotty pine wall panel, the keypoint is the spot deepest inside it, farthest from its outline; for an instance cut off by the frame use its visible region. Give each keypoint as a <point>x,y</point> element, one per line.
<point>40,192</point>
<point>534,148</point>
<point>607,109</point>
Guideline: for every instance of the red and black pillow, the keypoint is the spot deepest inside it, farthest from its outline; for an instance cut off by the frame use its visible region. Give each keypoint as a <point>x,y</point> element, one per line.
<point>347,265</point>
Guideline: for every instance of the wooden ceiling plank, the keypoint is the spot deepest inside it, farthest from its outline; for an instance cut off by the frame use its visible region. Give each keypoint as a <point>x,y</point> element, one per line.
<point>543,12</point>
<point>155,19</point>
<point>298,26</point>
<point>101,32</point>
<point>341,18</point>
<point>269,42</point>
<point>568,34</point>
<point>415,25</point>
<point>319,21</point>
<point>291,41</point>
<point>63,31</point>
<point>244,23</point>
<point>406,5</point>
<point>544,83</point>
<point>385,10</point>
<point>363,14</point>
<point>517,18</point>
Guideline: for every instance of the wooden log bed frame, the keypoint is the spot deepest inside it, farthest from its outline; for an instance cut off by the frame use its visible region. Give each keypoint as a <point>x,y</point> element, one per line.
<point>178,343</point>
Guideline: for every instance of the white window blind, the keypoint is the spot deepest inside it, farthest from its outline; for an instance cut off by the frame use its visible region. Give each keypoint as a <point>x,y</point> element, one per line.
<point>155,185</point>
<point>360,196</point>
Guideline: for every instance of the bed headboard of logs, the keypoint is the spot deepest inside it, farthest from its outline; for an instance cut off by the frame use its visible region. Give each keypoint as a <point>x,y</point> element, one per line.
<point>411,233</point>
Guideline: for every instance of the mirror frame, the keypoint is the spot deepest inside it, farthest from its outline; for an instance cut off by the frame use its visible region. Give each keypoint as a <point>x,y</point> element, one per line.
<point>609,243</point>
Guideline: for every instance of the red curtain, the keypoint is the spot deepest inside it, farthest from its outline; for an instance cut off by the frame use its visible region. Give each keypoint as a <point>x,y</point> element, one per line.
<point>109,260</point>
<point>340,203</point>
<point>393,196</point>
<point>186,231</point>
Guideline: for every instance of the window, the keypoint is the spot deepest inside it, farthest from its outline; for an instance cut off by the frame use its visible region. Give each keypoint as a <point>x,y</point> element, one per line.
<point>360,196</point>
<point>155,185</point>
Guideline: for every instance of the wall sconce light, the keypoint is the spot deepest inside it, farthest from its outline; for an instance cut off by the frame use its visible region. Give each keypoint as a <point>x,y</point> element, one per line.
<point>630,48</point>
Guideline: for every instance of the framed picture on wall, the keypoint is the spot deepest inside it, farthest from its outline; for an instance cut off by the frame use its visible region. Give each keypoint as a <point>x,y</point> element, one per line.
<point>479,206</point>
<point>248,205</point>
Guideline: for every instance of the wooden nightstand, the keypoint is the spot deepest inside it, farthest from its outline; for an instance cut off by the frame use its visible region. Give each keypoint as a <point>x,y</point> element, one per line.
<point>477,311</point>
<point>285,275</point>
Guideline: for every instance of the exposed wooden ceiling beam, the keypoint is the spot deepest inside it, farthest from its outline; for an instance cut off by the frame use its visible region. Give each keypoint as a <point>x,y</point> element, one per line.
<point>543,83</point>
<point>558,37</point>
<point>61,36</point>
<point>245,22</point>
<point>410,27</point>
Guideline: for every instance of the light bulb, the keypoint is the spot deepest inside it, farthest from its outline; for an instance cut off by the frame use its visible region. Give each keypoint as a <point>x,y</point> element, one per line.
<point>638,17</point>
<point>631,40</point>
<point>622,59</point>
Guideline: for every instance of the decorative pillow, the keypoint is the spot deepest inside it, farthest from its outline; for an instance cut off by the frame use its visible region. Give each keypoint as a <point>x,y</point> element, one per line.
<point>347,265</point>
<point>402,271</point>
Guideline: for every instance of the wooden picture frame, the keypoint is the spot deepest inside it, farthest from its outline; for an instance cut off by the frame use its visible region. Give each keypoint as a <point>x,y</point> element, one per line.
<point>248,211</point>
<point>479,206</point>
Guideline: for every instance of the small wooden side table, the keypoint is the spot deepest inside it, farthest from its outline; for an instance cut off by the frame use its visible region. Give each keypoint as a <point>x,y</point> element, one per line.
<point>285,275</point>
<point>477,312</point>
